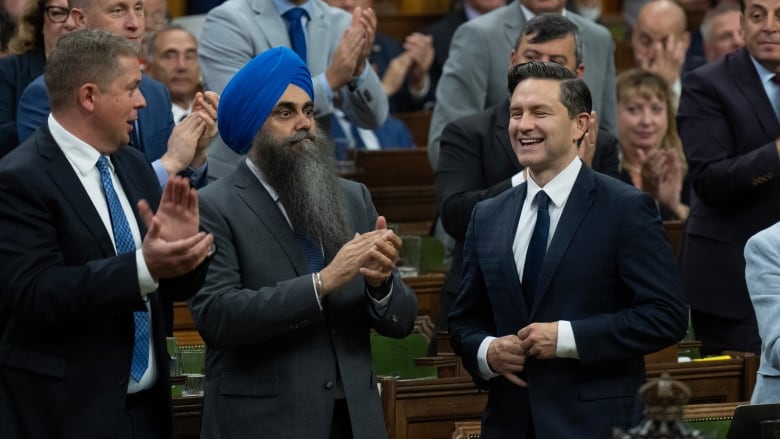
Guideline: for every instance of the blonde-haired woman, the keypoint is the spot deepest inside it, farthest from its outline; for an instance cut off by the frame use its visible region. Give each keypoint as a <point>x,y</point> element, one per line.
<point>652,154</point>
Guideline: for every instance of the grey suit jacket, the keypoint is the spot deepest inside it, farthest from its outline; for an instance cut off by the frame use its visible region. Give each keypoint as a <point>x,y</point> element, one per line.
<point>475,74</point>
<point>273,355</point>
<point>238,30</point>
<point>762,273</point>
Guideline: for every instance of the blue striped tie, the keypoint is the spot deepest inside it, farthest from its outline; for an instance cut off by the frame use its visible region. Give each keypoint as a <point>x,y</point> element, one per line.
<point>123,239</point>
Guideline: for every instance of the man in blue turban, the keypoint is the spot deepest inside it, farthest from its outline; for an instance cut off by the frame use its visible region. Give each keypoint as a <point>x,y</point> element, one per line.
<point>304,268</point>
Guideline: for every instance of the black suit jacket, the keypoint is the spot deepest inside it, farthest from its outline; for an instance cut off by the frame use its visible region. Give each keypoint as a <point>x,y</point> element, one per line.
<point>728,130</point>
<point>477,162</point>
<point>65,354</point>
<point>16,73</point>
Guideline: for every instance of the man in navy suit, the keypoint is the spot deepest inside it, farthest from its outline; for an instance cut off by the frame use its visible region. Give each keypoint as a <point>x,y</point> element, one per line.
<point>568,279</point>
<point>84,260</point>
<point>728,122</point>
<point>179,150</point>
<point>477,161</point>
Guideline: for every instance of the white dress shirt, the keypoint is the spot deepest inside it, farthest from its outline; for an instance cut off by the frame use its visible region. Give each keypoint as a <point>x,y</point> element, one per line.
<point>558,189</point>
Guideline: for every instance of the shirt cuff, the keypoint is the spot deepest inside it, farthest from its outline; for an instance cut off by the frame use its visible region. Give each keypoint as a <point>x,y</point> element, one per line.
<point>145,280</point>
<point>518,178</point>
<point>567,346</point>
<point>381,305</point>
<point>326,89</point>
<point>159,170</point>
<point>426,88</point>
<point>484,370</point>
<point>197,173</point>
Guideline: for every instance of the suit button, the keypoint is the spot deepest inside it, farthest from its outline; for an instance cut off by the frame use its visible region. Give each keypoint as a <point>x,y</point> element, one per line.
<point>394,318</point>
<point>293,326</point>
<point>329,384</point>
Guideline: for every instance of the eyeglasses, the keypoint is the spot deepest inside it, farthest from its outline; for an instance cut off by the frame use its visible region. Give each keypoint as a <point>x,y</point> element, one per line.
<point>57,14</point>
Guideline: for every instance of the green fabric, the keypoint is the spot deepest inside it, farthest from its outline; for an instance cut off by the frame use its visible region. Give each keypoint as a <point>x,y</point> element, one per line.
<point>395,357</point>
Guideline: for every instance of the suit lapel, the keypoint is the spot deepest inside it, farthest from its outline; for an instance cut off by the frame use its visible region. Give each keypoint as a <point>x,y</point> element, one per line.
<point>508,228</point>
<point>577,206</point>
<point>750,85</point>
<point>65,179</point>
<point>259,201</point>
<point>271,24</point>
<point>512,24</point>
<point>502,134</point>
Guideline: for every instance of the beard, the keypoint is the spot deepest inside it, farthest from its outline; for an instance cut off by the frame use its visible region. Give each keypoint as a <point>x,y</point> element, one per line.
<point>301,170</point>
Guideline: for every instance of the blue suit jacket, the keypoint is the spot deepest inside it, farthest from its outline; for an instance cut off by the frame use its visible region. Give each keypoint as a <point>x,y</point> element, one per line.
<point>728,130</point>
<point>762,255</point>
<point>155,122</point>
<point>609,270</point>
<point>393,134</point>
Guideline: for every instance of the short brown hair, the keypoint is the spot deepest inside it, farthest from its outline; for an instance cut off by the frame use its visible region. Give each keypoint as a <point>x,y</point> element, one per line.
<point>82,57</point>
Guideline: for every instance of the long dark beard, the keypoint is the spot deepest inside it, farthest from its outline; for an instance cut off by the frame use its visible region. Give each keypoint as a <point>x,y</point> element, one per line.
<point>301,170</point>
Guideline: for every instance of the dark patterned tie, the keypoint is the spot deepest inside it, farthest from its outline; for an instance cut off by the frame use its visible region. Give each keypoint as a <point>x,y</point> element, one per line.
<point>537,247</point>
<point>313,252</point>
<point>123,239</point>
<point>297,37</point>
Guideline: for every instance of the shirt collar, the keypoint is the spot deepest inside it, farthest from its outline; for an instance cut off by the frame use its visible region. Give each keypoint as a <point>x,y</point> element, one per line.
<point>559,188</point>
<point>283,6</point>
<point>80,154</point>
<point>259,174</point>
<point>764,74</point>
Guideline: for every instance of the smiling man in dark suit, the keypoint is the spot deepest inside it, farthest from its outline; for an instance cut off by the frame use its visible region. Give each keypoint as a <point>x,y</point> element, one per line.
<point>568,279</point>
<point>477,161</point>
<point>728,122</point>
<point>82,270</point>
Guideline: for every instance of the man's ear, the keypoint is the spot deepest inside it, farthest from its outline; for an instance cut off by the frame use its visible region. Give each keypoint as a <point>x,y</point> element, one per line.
<point>582,122</point>
<point>79,18</point>
<point>87,96</point>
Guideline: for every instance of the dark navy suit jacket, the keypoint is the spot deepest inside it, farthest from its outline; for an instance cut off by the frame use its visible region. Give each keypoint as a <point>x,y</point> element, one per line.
<point>16,73</point>
<point>609,270</point>
<point>728,129</point>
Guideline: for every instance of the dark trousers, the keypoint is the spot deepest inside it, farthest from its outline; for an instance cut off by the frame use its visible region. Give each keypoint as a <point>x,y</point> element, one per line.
<point>341,428</point>
<point>718,334</point>
<point>142,420</point>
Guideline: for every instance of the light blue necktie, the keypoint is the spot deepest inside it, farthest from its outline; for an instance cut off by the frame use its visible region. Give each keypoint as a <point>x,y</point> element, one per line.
<point>297,37</point>
<point>537,248</point>
<point>125,244</point>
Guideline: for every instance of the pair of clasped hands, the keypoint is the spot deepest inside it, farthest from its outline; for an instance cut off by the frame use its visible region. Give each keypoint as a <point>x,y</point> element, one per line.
<point>372,254</point>
<point>507,355</point>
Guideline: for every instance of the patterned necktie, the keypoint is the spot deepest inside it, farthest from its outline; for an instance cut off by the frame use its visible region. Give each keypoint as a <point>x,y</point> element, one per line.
<point>123,239</point>
<point>537,247</point>
<point>313,252</point>
<point>297,37</point>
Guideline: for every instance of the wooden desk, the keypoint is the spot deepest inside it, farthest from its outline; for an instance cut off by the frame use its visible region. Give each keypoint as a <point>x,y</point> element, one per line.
<point>429,408</point>
<point>428,288</point>
<point>187,416</point>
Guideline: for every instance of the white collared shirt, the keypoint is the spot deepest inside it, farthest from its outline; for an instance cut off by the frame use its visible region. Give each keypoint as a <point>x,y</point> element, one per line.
<point>83,159</point>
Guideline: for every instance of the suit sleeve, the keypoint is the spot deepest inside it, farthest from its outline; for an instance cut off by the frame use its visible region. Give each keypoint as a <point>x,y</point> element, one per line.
<point>33,109</point>
<point>608,97</point>
<point>462,88</point>
<point>762,273</point>
<point>471,318</point>
<point>606,159</point>
<point>366,105</point>
<point>721,177</point>
<point>655,315</point>
<point>460,180</point>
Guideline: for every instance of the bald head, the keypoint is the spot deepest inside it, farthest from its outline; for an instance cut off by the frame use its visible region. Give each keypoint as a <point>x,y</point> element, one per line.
<point>660,26</point>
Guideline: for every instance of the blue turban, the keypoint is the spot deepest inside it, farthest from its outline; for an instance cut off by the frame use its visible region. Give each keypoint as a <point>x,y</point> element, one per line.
<point>253,92</point>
